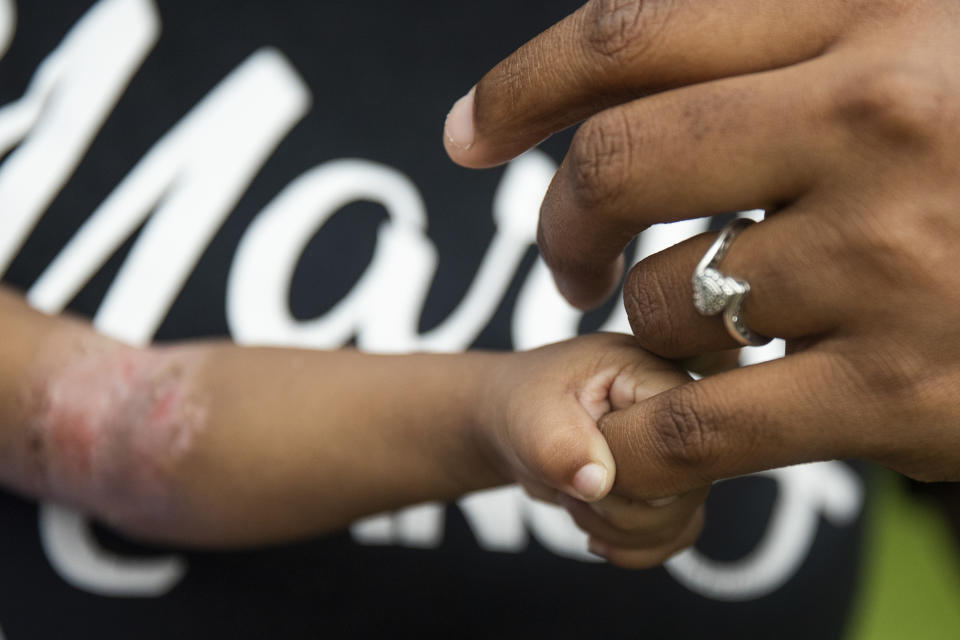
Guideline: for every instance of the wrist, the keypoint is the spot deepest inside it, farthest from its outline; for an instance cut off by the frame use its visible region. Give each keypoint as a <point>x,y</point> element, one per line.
<point>489,402</point>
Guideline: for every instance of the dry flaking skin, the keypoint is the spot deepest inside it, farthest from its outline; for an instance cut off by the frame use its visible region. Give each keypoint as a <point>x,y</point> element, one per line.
<point>107,426</point>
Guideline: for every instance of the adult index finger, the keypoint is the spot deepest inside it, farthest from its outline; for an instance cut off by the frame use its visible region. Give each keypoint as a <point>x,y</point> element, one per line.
<point>613,51</point>
<point>803,408</point>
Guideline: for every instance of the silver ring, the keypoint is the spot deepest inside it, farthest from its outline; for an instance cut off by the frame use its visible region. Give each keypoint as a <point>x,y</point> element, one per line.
<point>715,292</point>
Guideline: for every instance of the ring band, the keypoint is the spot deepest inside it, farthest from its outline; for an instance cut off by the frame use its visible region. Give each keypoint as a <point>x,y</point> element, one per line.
<point>715,292</point>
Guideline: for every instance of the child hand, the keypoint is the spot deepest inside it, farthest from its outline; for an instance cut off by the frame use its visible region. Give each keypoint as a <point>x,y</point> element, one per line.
<point>540,417</point>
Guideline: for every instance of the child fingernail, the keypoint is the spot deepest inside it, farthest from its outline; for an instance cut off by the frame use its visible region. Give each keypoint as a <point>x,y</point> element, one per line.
<point>590,481</point>
<point>459,129</point>
<point>662,502</point>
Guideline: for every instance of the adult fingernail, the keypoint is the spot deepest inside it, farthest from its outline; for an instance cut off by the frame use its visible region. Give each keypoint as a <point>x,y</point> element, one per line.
<point>459,129</point>
<point>662,502</point>
<point>590,481</point>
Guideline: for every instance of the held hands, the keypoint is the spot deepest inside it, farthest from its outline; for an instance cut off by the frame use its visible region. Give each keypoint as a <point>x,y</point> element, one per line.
<point>540,421</point>
<point>841,119</point>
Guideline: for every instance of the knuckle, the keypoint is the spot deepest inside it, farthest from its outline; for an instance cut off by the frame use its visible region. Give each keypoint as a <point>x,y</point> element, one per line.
<point>896,103</point>
<point>620,29</point>
<point>599,159</point>
<point>890,376</point>
<point>910,248</point>
<point>683,433</point>
<point>648,309</point>
<point>898,375</point>
<point>894,385</point>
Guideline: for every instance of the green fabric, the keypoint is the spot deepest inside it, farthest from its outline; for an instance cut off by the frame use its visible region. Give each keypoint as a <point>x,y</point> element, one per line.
<point>911,580</point>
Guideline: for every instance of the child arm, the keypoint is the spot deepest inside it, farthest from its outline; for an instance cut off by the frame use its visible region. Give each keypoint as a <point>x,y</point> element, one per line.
<point>210,444</point>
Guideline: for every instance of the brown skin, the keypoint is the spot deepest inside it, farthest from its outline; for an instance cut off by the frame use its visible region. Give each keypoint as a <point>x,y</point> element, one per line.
<point>291,443</point>
<point>839,116</point>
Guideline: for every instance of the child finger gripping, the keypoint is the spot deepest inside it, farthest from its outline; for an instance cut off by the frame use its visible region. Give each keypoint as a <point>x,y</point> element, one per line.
<point>546,412</point>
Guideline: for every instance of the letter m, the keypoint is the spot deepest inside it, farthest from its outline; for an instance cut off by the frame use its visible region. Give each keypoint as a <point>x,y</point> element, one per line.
<point>183,188</point>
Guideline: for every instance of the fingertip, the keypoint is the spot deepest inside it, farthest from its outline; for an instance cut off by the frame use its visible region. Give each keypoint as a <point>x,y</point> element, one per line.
<point>591,482</point>
<point>582,297</point>
<point>586,291</point>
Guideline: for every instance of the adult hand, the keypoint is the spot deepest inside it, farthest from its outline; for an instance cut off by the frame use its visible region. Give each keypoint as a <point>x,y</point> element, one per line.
<point>843,118</point>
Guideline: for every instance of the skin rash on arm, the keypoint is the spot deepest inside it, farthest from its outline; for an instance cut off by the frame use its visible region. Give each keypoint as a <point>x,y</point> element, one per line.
<point>207,444</point>
<point>106,426</point>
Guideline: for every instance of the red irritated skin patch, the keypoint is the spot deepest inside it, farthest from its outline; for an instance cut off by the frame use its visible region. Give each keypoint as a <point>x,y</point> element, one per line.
<point>107,426</point>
